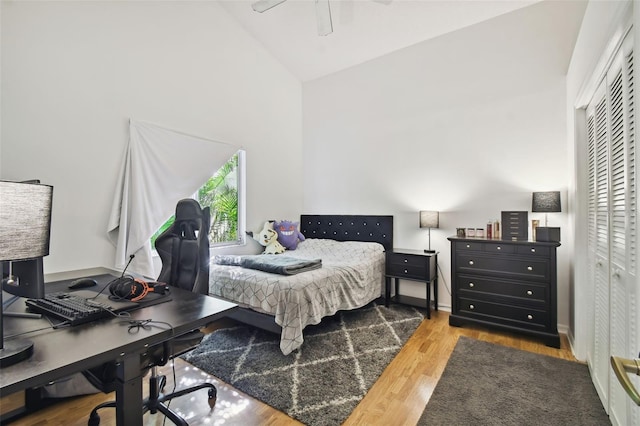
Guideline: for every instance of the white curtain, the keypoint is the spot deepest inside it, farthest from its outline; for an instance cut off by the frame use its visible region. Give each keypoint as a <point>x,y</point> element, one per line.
<point>160,167</point>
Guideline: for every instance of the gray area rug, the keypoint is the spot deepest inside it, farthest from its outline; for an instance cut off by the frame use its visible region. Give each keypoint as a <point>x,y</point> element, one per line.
<point>488,384</point>
<point>322,382</point>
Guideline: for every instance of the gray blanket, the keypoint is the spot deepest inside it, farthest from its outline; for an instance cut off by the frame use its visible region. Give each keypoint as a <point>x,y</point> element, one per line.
<point>273,263</point>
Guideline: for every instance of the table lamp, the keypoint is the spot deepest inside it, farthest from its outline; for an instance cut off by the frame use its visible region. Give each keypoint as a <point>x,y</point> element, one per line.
<point>546,202</point>
<point>429,219</point>
<point>25,223</point>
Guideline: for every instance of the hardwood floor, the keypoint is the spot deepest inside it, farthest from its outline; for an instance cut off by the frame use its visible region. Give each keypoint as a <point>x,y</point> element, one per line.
<point>398,397</point>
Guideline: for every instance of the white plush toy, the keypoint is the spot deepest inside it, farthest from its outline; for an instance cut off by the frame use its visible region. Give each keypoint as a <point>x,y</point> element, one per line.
<point>269,239</point>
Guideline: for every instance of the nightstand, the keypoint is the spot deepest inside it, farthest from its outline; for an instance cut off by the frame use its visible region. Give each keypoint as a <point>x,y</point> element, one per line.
<point>414,265</point>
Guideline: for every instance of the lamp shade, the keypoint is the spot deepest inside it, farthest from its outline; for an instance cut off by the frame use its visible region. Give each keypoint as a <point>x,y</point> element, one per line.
<point>429,219</point>
<point>25,220</point>
<point>546,202</point>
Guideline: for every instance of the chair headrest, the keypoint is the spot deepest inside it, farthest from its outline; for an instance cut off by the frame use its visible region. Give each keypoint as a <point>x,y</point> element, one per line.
<point>190,219</point>
<point>188,209</point>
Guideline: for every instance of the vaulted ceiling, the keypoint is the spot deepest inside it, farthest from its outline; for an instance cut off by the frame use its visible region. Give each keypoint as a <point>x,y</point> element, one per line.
<point>362,29</point>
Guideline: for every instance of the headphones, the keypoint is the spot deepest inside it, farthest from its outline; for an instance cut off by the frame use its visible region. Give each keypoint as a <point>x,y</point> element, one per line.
<point>135,289</point>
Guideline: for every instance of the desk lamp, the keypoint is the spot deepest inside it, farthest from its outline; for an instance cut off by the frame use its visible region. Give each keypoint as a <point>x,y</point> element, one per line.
<point>429,219</point>
<point>546,202</point>
<point>25,223</point>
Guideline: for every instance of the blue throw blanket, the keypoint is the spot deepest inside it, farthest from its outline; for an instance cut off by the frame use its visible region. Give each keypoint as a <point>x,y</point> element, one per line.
<point>273,263</point>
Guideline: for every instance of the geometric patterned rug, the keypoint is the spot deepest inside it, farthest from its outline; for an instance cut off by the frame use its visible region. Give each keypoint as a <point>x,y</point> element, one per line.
<point>325,379</point>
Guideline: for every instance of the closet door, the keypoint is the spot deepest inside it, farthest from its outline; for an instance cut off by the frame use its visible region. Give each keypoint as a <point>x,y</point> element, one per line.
<point>611,241</point>
<point>622,277</point>
<point>598,241</point>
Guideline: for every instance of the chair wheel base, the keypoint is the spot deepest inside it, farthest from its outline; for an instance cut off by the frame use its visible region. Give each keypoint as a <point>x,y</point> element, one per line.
<point>213,395</point>
<point>94,419</point>
<point>156,402</point>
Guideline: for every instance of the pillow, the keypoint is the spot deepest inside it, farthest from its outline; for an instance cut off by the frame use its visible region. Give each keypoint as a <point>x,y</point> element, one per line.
<point>288,234</point>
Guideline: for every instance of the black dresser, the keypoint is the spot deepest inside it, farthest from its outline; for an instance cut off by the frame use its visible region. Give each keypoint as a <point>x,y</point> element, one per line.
<point>509,285</point>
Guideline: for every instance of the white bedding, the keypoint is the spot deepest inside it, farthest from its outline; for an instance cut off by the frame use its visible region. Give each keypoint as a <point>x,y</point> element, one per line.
<point>352,275</point>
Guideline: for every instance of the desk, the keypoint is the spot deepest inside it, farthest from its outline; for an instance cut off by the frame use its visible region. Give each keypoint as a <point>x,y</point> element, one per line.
<point>63,352</point>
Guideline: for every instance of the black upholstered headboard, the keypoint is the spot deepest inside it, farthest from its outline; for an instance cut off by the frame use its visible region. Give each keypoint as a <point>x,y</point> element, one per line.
<point>378,229</point>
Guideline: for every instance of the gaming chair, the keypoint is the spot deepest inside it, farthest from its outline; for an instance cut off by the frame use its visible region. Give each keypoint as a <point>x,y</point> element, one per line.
<point>184,248</point>
<point>184,251</point>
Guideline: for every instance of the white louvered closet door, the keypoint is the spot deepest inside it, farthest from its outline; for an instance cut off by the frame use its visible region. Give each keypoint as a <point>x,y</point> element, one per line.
<point>612,232</point>
<point>598,239</point>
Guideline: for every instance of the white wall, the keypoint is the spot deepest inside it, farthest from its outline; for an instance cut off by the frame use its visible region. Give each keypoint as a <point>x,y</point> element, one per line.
<point>73,73</point>
<point>601,21</point>
<point>468,124</point>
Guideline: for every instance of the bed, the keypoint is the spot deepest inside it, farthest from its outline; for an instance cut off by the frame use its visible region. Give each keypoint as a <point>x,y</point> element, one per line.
<point>351,249</point>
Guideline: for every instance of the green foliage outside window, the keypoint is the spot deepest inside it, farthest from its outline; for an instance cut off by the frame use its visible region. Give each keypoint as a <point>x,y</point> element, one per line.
<point>220,194</point>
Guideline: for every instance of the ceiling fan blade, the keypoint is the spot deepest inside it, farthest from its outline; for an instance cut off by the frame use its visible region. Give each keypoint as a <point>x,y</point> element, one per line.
<point>262,5</point>
<point>323,16</point>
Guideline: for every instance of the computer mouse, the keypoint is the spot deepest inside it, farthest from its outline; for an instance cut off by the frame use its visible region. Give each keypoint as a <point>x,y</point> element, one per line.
<point>82,283</point>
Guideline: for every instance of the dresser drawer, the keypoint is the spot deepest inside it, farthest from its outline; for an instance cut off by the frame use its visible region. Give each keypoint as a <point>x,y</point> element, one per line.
<point>511,292</point>
<point>516,316</point>
<point>486,247</point>
<point>499,248</point>
<point>534,250</point>
<point>469,246</point>
<point>531,268</point>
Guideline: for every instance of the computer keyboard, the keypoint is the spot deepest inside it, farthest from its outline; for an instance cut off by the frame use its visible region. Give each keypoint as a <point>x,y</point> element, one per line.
<point>70,308</point>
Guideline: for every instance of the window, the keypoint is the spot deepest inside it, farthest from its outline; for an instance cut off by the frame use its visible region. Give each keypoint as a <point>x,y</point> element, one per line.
<point>223,193</point>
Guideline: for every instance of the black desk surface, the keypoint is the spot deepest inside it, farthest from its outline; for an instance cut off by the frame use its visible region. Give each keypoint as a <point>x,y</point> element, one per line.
<point>62,352</point>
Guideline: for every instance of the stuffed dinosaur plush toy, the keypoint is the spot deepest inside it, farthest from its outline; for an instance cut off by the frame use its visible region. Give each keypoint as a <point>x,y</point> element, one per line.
<point>288,234</point>
<point>269,239</point>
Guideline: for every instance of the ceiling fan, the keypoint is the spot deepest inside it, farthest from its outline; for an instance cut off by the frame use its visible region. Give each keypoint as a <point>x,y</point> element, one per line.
<point>323,13</point>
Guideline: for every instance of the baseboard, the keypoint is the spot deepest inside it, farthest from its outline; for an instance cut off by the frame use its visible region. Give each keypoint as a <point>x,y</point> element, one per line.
<point>79,273</point>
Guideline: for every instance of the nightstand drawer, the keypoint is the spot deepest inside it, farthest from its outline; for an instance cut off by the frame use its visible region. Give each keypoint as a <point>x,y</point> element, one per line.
<point>536,269</point>
<point>408,271</point>
<point>406,259</point>
<point>513,292</point>
<point>413,265</point>
<point>504,314</point>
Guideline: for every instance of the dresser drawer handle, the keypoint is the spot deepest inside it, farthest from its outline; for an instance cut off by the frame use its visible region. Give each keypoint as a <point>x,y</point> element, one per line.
<point>471,307</point>
<point>468,245</point>
<point>471,262</point>
<point>529,268</point>
<point>529,293</point>
<point>406,272</point>
<point>405,261</point>
<point>533,250</point>
<point>471,285</point>
<point>498,248</point>
<point>530,316</point>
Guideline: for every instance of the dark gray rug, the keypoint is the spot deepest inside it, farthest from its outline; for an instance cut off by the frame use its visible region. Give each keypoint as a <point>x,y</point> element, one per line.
<point>489,384</point>
<point>322,382</point>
